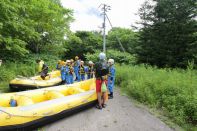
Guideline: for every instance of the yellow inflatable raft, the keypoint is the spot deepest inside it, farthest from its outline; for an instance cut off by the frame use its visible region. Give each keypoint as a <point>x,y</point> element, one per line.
<point>24,83</point>
<point>38,107</point>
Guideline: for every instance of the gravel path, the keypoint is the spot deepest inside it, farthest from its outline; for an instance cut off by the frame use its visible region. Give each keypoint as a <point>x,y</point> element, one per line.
<point>119,115</point>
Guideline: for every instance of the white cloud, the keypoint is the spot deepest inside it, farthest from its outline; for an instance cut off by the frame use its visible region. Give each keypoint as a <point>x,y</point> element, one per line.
<point>86,13</point>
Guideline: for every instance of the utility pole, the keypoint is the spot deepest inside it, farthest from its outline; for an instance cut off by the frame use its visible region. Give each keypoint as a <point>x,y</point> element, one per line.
<point>105,8</point>
<point>104,36</point>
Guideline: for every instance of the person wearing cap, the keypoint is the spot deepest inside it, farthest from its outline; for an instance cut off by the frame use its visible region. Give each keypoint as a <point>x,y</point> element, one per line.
<point>71,72</point>
<point>68,79</point>
<point>81,71</point>
<point>90,69</point>
<point>76,68</point>
<point>111,77</point>
<point>58,66</point>
<point>72,62</point>
<point>101,71</point>
<point>63,73</point>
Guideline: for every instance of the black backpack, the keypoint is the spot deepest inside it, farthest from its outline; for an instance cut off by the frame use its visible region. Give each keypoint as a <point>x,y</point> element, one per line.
<point>102,69</point>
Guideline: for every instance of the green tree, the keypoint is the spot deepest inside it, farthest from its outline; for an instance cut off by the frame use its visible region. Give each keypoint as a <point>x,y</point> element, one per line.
<point>51,21</point>
<point>168,34</point>
<point>31,25</point>
<point>12,30</point>
<point>83,42</point>
<point>127,37</point>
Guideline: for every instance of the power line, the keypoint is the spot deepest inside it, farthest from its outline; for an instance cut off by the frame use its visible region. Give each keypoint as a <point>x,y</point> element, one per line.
<point>116,35</point>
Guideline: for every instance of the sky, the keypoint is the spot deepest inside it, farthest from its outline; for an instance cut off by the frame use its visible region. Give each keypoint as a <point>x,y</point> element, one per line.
<point>87,13</point>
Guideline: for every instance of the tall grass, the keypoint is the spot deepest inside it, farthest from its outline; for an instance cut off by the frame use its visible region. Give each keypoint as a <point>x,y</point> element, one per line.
<point>9,71</point>
<point>173,91</point>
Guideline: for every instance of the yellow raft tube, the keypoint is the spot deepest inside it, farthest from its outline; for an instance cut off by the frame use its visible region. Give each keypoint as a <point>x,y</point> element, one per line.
<point>38,107</point>
<point>24,83</point>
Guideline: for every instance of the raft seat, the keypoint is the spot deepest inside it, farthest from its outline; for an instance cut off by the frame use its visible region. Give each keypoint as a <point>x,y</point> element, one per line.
<point>53,95</point>
<point>56,94</point>
<point>75,90</point>
<point>24,101</point>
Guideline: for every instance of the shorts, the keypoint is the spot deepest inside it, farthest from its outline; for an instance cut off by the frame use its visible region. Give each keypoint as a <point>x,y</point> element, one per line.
<point>98,85</point>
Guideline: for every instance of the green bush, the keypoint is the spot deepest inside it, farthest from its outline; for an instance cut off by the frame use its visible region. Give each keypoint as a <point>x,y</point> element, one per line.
<point>119,57</point>
<point>6,74</point>
<point>173,91</point>
<point>10,70</point>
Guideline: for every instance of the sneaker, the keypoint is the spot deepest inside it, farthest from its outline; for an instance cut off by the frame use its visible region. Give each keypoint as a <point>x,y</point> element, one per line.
<point>104,105</point>
<point>110,97</point>
<point>99,107</point>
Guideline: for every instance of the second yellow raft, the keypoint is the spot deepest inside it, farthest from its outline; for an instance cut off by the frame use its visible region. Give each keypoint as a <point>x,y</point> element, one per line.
<point>23,83</point>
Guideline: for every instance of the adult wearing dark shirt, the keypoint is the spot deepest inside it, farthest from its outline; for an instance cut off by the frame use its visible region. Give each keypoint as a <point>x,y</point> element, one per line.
<point>101,70</point>
<point>44,71</point>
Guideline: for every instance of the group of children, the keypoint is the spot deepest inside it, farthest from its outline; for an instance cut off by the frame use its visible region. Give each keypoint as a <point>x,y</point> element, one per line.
<point>76,68</point>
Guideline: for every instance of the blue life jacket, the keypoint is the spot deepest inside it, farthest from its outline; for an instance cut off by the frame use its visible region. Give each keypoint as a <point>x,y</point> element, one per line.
<point>13,103</point>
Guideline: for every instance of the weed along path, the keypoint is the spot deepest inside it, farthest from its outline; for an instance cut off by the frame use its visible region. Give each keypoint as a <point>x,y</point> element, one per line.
<point>119,115</point>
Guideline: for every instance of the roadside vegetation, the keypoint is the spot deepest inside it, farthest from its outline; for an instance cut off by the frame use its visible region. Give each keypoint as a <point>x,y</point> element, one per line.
<point>174,91</point>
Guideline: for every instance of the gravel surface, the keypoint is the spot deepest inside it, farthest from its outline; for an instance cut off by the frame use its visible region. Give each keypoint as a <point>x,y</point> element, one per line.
<point>119,115</point>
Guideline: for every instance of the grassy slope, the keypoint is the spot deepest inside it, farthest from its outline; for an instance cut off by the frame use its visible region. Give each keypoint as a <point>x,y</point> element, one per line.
<point>173,92</point>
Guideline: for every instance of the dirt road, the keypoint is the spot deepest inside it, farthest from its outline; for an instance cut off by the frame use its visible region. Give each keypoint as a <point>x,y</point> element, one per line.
<point>119,115</point>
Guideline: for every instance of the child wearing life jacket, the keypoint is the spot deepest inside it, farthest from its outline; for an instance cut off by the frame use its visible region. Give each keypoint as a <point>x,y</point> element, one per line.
<point>90,69</point>
<point>82,71</point>
<point>63,73</point>
<point>59,65</point>
<point>76,68</point>
<point>71,72</point>
<point>67,76</point>
<point>111,77</point>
